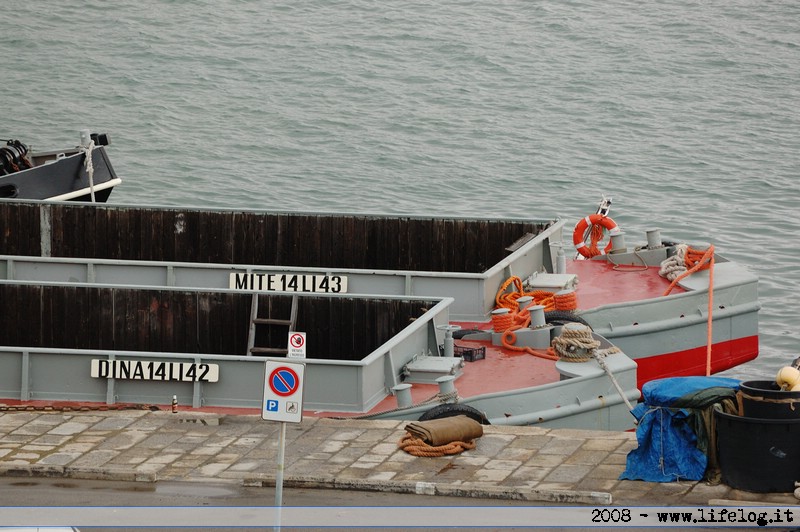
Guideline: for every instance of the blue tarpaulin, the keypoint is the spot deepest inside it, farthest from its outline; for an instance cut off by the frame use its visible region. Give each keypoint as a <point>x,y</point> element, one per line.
<point>670,447</point>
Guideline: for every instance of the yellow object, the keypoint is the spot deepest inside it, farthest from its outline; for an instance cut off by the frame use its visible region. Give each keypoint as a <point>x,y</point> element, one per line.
<point>796,387</point>
<point>788,378</point>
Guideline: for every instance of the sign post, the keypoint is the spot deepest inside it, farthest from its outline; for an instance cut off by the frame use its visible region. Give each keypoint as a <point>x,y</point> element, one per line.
<point>283,401</point>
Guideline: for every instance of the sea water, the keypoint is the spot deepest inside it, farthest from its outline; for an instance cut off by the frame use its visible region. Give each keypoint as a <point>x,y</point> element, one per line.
<point>687,113</point>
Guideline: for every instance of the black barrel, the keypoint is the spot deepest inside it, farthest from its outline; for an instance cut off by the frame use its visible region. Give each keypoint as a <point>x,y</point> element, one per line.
<point>758,455</point>
<point>765,399</point>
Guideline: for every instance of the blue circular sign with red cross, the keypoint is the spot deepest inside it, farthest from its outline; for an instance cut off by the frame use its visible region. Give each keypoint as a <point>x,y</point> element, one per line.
<point>283,381</point>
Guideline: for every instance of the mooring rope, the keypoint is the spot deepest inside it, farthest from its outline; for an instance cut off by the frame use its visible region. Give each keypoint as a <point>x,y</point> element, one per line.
<point>417,447</point>
<point>90,167</point>
<point>685,262</point>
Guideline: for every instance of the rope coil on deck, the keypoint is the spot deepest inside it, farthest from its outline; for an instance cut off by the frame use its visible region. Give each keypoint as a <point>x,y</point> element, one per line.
<point>509,300</point>
<point>575,345</point>
<point>566,300</point>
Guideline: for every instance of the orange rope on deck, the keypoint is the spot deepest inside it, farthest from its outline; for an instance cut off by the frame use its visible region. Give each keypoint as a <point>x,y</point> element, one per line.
<point>566,300</point>
<point>697,260</point>
<point>515,319</point>
<point>509,300</point>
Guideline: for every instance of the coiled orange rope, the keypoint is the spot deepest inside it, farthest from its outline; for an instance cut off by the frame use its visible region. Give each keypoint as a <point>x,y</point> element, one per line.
<point>509,300</point>
<point>513,320</point>
<point>697,260</point>
<point>565,300</point>
<point>418,447</point>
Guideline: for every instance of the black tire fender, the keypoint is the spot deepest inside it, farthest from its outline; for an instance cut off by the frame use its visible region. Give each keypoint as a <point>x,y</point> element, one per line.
<point>454,409</point>
<point>560,317</point>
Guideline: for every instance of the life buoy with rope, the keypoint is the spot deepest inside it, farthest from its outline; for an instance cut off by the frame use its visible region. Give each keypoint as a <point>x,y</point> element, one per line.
<point>594,223</point>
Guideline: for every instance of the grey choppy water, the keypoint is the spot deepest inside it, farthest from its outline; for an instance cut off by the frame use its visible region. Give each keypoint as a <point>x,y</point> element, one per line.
<point>685,112</point>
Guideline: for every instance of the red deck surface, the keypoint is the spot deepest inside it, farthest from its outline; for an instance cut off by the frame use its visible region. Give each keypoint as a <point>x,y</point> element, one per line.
<point>600,283</point>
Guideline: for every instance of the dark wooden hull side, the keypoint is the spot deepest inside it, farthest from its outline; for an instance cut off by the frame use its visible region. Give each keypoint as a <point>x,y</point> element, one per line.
<point>190,321</point>
<point>259,237</point>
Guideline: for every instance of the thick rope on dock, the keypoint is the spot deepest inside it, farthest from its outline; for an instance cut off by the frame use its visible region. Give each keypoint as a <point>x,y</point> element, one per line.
<point>417,447</point>
<point>442,436</point>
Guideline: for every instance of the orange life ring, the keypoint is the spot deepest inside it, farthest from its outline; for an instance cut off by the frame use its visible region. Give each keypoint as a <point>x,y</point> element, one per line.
<point>585,224</point>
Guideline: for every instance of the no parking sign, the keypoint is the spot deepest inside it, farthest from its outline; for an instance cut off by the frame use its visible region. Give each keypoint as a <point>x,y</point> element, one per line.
<point>283,392</point>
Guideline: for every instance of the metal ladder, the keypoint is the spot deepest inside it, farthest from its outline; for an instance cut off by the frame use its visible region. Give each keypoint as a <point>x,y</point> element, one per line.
<point>255,321</point>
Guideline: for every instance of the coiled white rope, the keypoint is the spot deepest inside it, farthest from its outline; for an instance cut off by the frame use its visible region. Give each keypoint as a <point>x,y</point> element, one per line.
<point>672,267</point>
<point>576,344</point>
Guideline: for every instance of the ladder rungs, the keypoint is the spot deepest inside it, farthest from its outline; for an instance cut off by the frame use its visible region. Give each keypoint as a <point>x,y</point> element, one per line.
<point>271,321</point>
<point>277,350</point>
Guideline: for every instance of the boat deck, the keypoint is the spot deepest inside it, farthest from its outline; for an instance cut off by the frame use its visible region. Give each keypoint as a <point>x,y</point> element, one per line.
<point>602,283</point>
<point>501,370</point>
<point>599,283</point>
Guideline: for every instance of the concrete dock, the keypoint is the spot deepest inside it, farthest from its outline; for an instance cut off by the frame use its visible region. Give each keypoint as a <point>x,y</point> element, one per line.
<point>549,466</point>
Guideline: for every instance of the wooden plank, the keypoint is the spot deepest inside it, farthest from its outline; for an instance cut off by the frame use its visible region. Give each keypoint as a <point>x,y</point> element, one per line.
<point>103,326</point>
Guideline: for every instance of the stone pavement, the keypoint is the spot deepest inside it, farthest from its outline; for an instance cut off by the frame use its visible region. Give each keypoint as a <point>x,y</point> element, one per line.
<point>553,466</point>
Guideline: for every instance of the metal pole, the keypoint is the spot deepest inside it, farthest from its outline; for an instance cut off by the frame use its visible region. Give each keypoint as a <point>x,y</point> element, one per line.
<point>279,477</point>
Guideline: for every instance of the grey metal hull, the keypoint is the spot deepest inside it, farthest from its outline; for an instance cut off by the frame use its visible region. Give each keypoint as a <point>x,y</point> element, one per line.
<point>584,397</point>
<point>62,176</point>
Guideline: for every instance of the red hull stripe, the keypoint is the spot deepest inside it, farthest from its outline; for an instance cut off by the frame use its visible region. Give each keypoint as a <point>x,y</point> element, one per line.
<point>724,355</point>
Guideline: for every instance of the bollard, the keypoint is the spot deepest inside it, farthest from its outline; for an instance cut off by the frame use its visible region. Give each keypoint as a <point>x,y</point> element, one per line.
<point>449,344</point>
<point>446,386</point>
<point>537,316</point>
<point>402,393</point>
<point>653,238</point>
<point>617,241</point>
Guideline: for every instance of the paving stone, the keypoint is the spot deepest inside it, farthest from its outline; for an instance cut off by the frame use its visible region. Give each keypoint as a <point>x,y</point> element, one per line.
<point>545,460</point>
<point>51,439</point>
<point>531,473</point>
<point>382,475</point>
<point>37,448</point>
<point>110,423</point>
<point>560,446</point>
<point>94,459</point>
<point>584,456</point>
<point>124,440</point>
<point>59,458</point>
<point>213,469</point>
<point>568,473</point>
<point>605,471</point>
<point>493,475</point>
<point>69,428</point>
<point>26,456</point>
<point>502,464</point>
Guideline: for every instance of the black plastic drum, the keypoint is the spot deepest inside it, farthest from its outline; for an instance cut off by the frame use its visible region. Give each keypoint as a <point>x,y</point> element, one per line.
<point>764,399</point>
<point>758,455</point>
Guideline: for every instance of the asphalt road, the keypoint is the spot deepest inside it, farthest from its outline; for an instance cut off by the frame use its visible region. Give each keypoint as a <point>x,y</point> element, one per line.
<point>175,502</point>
